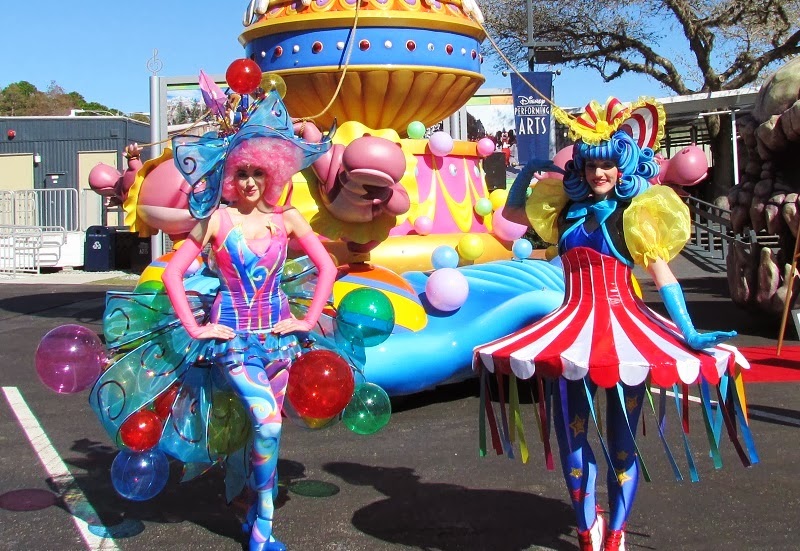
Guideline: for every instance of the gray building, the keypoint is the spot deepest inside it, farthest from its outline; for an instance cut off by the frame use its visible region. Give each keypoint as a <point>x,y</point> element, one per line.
<point>45,200</point>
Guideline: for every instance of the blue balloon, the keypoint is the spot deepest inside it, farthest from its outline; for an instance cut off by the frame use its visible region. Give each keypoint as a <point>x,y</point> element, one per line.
<point>521,248</point>
<point>444,256</point>
<point>140,476</point>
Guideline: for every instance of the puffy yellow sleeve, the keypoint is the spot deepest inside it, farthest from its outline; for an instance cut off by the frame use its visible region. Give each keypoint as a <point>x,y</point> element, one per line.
<point>545,202</point>
<point>656,225</point>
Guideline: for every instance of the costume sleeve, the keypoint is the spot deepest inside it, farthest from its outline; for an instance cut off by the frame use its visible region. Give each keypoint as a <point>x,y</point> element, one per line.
<point>656,225</point>
<point>546,201</point>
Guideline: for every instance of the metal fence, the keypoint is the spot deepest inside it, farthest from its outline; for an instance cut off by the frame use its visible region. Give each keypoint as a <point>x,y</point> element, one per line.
<point>32,219</point>
<point>712,231</point>
<point>57,208</point>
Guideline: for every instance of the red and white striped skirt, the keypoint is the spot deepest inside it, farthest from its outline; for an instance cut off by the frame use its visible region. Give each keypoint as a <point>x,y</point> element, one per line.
<point>603,330</point>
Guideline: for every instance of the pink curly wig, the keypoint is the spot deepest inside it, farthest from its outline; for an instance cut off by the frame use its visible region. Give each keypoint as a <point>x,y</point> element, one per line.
<point>279,158</point>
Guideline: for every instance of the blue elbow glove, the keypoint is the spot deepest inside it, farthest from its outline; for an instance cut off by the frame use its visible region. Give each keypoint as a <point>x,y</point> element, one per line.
<point>518,193</point>
<point>672,295</point>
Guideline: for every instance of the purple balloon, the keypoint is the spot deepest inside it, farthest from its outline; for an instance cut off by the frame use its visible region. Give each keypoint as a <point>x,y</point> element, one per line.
<point>447,289</point>
<point>70,358</point>
<point>440,143</point>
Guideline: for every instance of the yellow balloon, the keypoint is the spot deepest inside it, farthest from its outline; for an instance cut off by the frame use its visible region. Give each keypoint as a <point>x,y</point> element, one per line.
<point>498,198</point>
<point>273,80</point>
<point>470,247</point>
<point>550,252</point>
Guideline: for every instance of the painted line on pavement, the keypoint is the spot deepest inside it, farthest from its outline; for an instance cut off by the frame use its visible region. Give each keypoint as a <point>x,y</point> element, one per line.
<point>63,480</point>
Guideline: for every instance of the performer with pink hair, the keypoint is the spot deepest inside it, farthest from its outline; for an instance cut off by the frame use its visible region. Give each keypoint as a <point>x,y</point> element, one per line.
<point>606,217</point>
<point>250,320</point>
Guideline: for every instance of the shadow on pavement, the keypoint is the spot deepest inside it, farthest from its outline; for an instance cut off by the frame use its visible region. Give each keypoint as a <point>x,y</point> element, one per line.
<point>450,517</point>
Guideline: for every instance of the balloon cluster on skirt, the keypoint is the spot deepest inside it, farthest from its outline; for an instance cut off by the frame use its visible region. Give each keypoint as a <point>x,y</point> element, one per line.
<point>323,388</point>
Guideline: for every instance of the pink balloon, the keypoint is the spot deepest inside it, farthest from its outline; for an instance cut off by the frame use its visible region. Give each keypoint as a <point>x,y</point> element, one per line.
<point>440,143</point>
<point>561,158</point>
<point>505,229</point>
<point>423,225</point>
<point>447,289</point>
<point>485,147</point>
<point>69,358</point>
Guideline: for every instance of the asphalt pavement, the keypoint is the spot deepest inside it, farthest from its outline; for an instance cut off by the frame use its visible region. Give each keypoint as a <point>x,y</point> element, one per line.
<point>417,484</point>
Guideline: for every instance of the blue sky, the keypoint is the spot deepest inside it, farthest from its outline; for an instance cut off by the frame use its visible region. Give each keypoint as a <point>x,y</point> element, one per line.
<point>100,49</point>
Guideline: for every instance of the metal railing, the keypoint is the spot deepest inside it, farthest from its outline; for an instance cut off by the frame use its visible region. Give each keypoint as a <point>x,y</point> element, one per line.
<point>20,249</point>
<point>712,231</point>
<point>41,207</point>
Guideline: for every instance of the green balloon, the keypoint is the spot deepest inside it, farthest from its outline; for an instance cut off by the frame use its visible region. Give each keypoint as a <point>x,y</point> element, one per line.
<point>483,206</point>
<point>368,411</point>
<point>416,130</point>
<point>228,424</point>
<point>365,317</point>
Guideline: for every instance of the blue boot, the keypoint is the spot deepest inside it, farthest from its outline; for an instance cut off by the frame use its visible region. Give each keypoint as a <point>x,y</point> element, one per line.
<point>261,536</point>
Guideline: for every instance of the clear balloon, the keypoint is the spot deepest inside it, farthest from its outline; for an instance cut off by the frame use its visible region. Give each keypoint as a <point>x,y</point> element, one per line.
<point>140,476</point>
<point>365,317</point>
<point>447,289</point>
<point>369,410</point>
<point>415,130</point>
<point>423,225</point>
<point>228,423</point>
<point>309,423</point>
<point>441,143</point>
<point>444,256</point>
<point>470,247</point>
<point>320,384</point>
<point>504,228</point>
<point>273,81</point>
<point>69,358</point>
<point>243,76</point>
<point>521,248</point>
<point>141,431</point>
<point>483,206</point>
<point>485,147</point>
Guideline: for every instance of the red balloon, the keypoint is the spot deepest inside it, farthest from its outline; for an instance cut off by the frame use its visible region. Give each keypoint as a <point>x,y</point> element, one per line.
<point>320,384</point>
<point>163,404</point>
<point>141,431</point>
<point>243,76</point>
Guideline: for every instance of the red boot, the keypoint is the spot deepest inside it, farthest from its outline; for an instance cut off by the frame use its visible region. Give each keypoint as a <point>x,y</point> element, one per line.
<point>592,539</point>
<point>615,540</point>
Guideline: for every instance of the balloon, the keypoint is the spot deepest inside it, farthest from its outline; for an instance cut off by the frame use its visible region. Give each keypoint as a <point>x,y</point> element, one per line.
<point>140,476</point>
<point>444,256</point>
<point>415,130</point>
<point>506,229</point>
<point>498,198</point>
<point>141,431</point>
<point>320,384</point>
<point>69,358</point>
<point>447,289</point>
<point>228,424</point>
<point>441,143</point>
<point>483,206</point>
<point>470,247</point>
<point>291,268</point>
<point>365,317</point>
<point>163,404</point>
<point>521,248</point>
<point>152,286</point>
<point>485,147</point>
<point>423,225</point>
<point>243,76</point>
<point>274,81</point>
<point>368,411</point>
<point>309,423</point>
<point>551,253</point>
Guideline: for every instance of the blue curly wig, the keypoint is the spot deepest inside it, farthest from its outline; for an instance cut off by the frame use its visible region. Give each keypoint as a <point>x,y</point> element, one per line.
<point>636,166</point>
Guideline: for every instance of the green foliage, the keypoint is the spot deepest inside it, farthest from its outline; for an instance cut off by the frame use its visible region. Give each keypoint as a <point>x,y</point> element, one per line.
<point>20,99</point>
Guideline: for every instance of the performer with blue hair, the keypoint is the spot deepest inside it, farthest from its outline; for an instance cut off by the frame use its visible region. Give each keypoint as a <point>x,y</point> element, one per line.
<point>606,217</point>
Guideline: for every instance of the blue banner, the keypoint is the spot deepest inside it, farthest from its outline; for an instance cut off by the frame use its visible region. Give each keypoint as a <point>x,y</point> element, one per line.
<point>532,115</point>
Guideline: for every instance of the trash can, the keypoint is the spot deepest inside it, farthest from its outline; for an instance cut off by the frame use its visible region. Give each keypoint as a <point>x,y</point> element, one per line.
<point>141,254</point>
<point>494,167</point>
<point>98,253</point>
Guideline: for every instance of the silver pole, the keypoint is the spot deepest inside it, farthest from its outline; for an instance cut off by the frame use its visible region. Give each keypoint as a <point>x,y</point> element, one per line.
<point>735,148</point>
<point>156,241</point>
